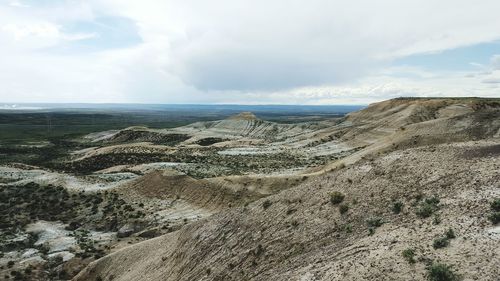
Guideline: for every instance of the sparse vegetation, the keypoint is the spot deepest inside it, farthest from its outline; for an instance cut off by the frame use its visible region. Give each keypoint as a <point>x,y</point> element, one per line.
<point>29,203</point>
<point>336,197</point>
<point>266,204</point>
<point>444,241</point>
<point>441,272</point>
<point>343,208</point>
<point>374,222</point>
<point>347,228</point>
<point>371,231</point>
<point>440,242</point>
<point>494,217</point>
<point>450,234</point>
<point>409,255</point>
<point>495,205</point>
<point>427,207</point>
<point>397,207</point>
<point>299,226</point>
<point>436,220</point>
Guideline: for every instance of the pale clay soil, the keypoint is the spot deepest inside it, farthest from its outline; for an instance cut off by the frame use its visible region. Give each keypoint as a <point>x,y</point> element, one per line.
<point>311,242</point>
<point>391,151</point>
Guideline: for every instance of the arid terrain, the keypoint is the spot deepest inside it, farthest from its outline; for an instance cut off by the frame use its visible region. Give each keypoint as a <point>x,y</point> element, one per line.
<point>405,189</point>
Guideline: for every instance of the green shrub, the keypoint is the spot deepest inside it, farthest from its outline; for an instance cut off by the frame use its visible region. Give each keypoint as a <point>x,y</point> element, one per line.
<point>343,208</point>
<point>495,205</point>
<point>266,204</point>
<point>427,207</point>
<point>425,210</point>
<point>374,222</point>
<point>336,197</point>
<point>409,255</point>
<point>441,272</point>
<point>436,220</point>
<point>397,207</point>
<point>450,234</point>
<point>495,217</point>
<point>348,228</point>
<point>440,242</point>
<point>371,231</point>
<point>432,201</point>
<point>444,241</point>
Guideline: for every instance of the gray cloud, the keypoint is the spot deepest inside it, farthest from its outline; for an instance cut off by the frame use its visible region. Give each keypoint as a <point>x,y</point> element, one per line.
<point>226,50</point>
<point>265,46</point>
<point>491,80</point>
<point>495,62</point>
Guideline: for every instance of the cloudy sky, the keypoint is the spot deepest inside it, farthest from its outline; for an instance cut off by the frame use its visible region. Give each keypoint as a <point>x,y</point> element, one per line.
<point>247,52</point>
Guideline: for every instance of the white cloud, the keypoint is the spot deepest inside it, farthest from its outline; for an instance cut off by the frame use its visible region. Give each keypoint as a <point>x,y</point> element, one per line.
<point>43,30</point>
<point>18,4</point>
<point>246,51</point>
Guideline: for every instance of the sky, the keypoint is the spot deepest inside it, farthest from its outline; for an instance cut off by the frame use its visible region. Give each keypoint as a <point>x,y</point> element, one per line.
<point>247,51</point>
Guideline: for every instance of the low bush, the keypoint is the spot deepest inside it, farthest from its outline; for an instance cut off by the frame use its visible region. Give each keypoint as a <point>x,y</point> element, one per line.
<point>336,197</point>
<point>436,220</point>
<point>348,228</point>
<point>371,231</point>
<point>495,205</point>
<point>266,204</point>
<point>450,234</point>
<point>343,208</point>
<point>397,207</point>
<point>427,207</point>
<point>444,241</point>
<point>409,255</point>
<point>374,222</point>
<point>440,242</point>
<point>441,272</point>
<point>494,217</point>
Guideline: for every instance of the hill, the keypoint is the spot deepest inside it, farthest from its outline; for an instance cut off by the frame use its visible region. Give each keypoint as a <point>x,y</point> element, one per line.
<point>413,200</point>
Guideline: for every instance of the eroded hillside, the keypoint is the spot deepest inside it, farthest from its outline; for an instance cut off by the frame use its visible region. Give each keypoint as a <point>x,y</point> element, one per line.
<point>402,201</point>
<point>247,199</point>
<point>415,199</point>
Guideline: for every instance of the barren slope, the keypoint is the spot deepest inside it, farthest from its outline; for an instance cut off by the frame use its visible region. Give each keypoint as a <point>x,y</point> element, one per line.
<point>299,235</point>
